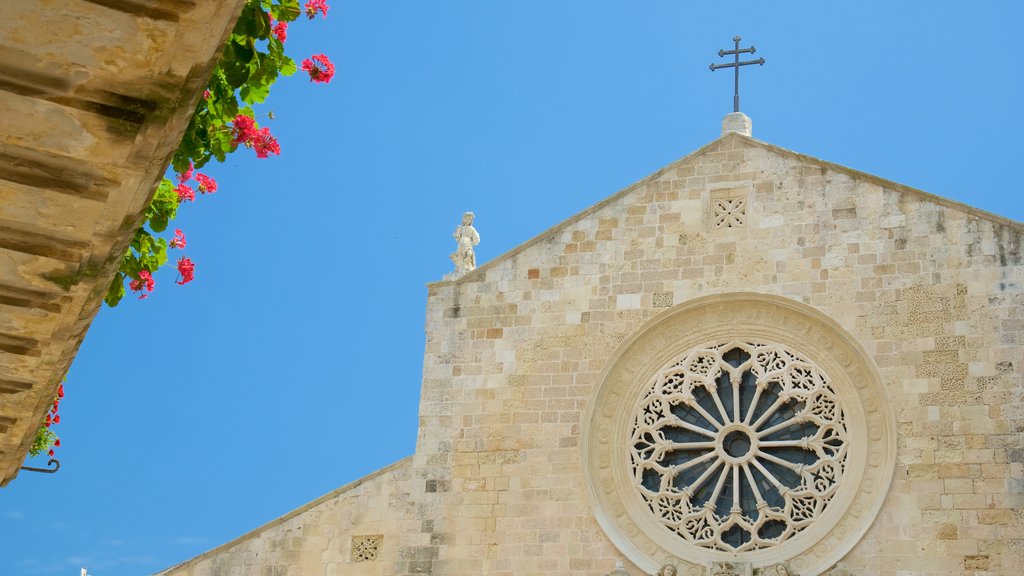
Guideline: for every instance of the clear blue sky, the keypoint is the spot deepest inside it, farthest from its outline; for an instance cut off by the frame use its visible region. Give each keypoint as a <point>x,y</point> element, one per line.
<point>292,365</point>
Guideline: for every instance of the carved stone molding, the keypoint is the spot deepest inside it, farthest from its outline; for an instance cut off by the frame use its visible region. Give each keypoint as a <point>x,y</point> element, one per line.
<point>366,548</point>
<point>841,374</point>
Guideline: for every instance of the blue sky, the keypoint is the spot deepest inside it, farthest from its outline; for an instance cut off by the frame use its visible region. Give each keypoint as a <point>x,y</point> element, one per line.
<point>292,365</point>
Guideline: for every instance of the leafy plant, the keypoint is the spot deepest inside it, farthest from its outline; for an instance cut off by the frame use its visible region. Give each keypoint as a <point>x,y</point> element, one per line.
<point>224,120</point>
<point>46,440</point>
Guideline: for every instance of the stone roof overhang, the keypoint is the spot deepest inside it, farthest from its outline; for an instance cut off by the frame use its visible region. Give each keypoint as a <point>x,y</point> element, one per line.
<point>96,95</point>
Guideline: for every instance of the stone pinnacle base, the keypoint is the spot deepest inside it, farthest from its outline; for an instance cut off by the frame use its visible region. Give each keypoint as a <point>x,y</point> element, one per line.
<point>736,122</point>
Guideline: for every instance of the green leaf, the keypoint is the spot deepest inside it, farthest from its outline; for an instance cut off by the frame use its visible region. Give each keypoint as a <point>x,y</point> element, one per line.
<point>159,223</point>
<point>288,66</point>
<point>254,94</point>
<point>236,73</point>
<point>243,50</point>
<point>248,20</point>
<point>116,290</point>
<point>286,10</point>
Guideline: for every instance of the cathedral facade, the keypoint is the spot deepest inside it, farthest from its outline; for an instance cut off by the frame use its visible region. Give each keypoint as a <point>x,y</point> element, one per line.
<point>749,362</point>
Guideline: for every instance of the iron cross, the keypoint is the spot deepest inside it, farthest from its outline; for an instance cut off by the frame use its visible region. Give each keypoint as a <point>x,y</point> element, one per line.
<point>737,51</point>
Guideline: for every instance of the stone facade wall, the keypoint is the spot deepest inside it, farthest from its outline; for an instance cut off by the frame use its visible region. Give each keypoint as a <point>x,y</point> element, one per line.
<point>345,533</point>
<point>929,288</point>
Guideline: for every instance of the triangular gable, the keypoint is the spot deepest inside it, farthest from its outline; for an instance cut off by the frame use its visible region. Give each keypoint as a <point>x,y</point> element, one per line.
<point>713,146</point>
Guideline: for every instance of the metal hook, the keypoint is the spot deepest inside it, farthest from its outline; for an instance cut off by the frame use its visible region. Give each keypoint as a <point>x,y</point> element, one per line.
<point>53,462</point>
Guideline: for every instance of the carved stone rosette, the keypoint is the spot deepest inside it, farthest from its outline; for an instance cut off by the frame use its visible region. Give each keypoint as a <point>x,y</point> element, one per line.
<point>739,446</point>
<point>740,428</point>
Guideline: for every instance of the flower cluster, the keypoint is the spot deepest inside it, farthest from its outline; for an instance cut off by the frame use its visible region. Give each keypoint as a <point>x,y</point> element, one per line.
<point>319,68</point>
<point>179,239</point>
<point>186,269</point>
<point>144,281</point>
<point>259,139</point>
<point>244,128</point>
<point>314,6</point>
<point>46,440</point>
<point>141,279</point>
<point>187,193</point>
<point>206,184</point>
<point>280,31</point>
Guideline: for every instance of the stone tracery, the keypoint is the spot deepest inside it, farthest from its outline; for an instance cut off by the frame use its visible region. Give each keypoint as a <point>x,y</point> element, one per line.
<point>738,446</point>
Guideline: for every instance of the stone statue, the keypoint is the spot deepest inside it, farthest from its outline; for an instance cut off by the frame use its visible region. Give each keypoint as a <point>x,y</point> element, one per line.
<point>464,257</point>
<point>781,569</point>
<point>620,570</point>
<point>667,570</point>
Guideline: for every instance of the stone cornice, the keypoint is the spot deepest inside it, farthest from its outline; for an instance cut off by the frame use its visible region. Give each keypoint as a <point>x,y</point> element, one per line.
<point>96,97</point>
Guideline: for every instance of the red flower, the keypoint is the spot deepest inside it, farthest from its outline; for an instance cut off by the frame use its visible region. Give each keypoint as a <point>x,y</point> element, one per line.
<point>206,184</point>
<point>143,296</point>
<point>319,68</point>
<point>143,282</point>
<point>56,419</point>
<point>265,143</point>
<point>206,94</point>
<point>179,239</point>
<point>186,175</point>
<point>60,391</point>
<point>185,192</point>
<point>187,270</point>
<point>47,423</point>
<point>314,6</point>
<point>57,442</point>
<point>50,452</point>
<point>280,29</point>
<point>245,130</point>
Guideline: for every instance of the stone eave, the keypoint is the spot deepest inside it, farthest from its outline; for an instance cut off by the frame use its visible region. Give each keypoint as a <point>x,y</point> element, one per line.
<point>479,273</point>
<point>96,97</point>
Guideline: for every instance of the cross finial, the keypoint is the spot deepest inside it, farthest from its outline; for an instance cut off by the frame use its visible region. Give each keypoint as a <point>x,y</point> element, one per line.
<point>736,64</point>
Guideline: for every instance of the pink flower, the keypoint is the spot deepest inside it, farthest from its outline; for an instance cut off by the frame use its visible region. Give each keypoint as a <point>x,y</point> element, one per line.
<point>280,30</point>
<point>265,143</point>
<point>143,282</point>
<point>185,192</point>
<point>245,130</point>
<point>179,239</point>
<point>206,94</point>
<point>187,270</point>
<point>314,6</point>
<point>319,68</point>
<point>186,175</point>
<point>206,184</point>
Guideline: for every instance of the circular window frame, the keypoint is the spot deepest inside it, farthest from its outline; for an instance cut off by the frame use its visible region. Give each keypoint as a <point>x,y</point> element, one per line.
<point>606,467</point>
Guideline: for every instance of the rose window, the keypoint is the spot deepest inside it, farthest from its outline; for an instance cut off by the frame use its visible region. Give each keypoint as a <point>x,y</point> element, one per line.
<point>739,446</point>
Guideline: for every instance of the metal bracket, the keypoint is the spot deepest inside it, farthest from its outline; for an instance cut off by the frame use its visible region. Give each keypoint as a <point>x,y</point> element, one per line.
<point>53,462</point>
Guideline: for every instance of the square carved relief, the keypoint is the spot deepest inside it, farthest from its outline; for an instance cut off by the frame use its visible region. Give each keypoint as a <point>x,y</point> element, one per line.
<point>729,208</point>
<point>366,548</point>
